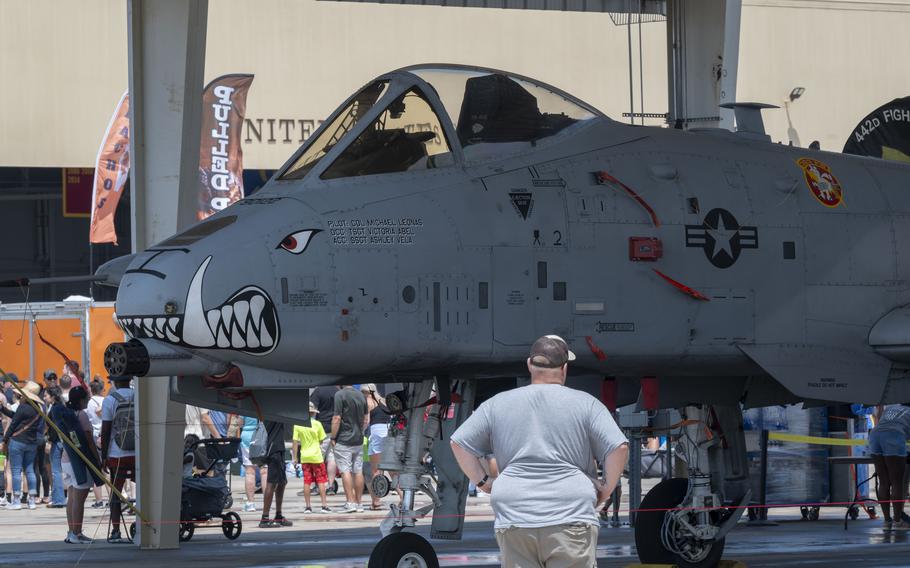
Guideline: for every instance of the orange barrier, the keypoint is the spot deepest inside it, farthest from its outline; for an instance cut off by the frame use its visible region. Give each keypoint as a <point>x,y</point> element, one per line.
<point>81,330</point>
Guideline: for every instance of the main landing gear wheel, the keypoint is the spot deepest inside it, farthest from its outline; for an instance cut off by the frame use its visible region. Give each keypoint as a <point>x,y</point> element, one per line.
<point>231,525</point>
<point>403,550</point>
<point>649,524</point>
<point>186,531</point>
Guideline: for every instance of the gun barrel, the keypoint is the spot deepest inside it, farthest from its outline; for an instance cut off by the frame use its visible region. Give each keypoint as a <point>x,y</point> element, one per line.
<point>142,358</point>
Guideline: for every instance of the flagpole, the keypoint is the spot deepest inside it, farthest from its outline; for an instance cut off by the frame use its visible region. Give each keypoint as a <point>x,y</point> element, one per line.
<point>91,270</point>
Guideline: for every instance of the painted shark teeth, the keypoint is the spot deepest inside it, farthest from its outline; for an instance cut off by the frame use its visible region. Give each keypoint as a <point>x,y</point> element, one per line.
<point>246,322</point>
<point>158,328</point>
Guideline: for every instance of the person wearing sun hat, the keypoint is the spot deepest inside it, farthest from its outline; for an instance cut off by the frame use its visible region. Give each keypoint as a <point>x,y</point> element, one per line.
<point>545,438</point>
<point>20,442</point>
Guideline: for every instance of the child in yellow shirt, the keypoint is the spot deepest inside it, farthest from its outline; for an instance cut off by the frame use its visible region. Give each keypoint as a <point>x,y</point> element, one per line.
<point>307,442</point>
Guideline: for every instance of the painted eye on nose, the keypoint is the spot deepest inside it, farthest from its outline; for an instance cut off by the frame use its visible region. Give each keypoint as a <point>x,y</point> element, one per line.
<point>297,242</point>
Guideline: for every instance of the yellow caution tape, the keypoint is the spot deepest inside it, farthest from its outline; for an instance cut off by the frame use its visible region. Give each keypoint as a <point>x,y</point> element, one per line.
<point>816,440</point>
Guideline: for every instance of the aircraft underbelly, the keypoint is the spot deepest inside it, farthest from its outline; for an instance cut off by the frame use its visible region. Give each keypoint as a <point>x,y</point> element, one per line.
<point>824,373</point>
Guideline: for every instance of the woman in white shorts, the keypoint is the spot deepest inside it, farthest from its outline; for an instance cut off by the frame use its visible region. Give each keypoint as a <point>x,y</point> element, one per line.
<point>249,470</point>
<point>77,427</point>
<point>379,430</point>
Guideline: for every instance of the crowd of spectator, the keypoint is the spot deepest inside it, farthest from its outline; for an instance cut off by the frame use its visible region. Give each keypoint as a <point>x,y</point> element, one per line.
<point>57,440</point>
<point>347,425</point>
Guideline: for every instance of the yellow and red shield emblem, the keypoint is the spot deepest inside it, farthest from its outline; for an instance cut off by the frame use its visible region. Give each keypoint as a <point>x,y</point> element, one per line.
<point>822,183</point>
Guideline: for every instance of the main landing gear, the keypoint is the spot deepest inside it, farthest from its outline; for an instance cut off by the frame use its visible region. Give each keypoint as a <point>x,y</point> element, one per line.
<point>684,521</point>
<point>417,449</point>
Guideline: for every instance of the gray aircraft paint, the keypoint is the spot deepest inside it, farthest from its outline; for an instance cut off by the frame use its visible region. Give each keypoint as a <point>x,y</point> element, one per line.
<point>458,269</point>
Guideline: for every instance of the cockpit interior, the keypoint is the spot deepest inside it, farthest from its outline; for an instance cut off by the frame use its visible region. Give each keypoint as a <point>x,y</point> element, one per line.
<point>428,117</point>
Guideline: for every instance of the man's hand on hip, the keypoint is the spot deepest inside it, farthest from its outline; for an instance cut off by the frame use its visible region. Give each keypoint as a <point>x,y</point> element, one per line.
<point>602,492</point>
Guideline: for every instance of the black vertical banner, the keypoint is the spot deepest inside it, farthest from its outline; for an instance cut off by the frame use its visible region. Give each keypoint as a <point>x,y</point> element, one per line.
<point>884,133</point>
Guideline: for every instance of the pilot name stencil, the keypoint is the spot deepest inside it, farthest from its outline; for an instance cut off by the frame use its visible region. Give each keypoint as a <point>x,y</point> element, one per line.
<point>721,237</point>
<point>375,232</point>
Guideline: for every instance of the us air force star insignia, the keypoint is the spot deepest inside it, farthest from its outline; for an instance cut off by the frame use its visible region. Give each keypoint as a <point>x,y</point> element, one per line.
<point>721,237</point>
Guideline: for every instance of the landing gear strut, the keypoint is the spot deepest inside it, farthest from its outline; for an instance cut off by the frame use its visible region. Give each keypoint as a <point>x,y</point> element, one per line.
<point>418,435</point>
<point>685,521</point>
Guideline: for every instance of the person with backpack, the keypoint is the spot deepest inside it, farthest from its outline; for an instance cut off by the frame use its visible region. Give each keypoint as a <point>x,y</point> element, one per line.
<point>78,478</point>
<point>118,444</point>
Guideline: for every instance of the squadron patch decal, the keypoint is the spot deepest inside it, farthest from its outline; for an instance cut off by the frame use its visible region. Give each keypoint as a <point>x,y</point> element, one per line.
<point>523,202</point>
<point>822,183</point>
<point>721,237</point>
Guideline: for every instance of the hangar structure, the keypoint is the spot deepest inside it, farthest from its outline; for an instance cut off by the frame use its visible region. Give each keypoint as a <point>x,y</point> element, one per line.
<point>167,42</point>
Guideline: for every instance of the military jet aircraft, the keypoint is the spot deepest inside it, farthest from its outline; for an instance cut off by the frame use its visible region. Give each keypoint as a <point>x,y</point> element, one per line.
<point>445,216</point>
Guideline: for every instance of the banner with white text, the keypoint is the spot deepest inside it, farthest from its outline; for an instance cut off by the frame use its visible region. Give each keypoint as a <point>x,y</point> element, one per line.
<point>220,154</point>
<point>112,169</point>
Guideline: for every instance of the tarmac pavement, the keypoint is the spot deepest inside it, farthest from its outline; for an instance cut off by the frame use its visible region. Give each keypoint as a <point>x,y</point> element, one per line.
<point>35,538</point>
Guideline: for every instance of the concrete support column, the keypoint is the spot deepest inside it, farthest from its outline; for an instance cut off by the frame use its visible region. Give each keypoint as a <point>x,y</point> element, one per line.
<point>702,60</point>
<point>166,68</point>
<point>732,18</point>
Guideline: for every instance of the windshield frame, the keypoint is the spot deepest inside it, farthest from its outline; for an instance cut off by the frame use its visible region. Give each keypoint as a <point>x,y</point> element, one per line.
<point>399,82</point>
<point>411,69</point>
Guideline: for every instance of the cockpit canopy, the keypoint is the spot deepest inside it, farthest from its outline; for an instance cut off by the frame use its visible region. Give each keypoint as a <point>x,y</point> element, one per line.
<point>427,117</point>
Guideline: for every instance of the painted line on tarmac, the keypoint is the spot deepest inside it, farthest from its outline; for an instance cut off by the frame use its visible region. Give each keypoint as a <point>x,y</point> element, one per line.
<point>472,558</point>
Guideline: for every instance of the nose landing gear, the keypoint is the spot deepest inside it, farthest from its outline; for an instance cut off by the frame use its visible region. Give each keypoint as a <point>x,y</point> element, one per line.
<point>417,449</point>
<point>403,550</point>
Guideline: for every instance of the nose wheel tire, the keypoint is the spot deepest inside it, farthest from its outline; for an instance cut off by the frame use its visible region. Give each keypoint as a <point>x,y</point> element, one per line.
<point>649,524</point>
<point>403,550</point>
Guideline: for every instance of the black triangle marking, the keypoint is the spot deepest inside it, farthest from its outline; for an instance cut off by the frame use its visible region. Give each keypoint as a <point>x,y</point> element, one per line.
<point>523,201</point>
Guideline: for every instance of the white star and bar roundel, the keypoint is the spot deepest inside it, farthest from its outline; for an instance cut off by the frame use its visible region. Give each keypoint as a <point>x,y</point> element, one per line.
<point>721,237</point>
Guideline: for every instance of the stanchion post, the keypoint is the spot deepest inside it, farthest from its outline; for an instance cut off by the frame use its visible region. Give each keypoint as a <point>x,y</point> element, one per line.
<point>761,517</point>
<point>763,482</point>
<point>634,477</point>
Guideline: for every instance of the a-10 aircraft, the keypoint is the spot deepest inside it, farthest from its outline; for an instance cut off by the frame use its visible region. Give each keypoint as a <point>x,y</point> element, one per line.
<point>444,217</point>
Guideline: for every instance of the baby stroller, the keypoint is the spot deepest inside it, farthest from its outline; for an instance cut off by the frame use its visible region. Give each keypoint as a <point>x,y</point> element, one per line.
<point>204,497</point>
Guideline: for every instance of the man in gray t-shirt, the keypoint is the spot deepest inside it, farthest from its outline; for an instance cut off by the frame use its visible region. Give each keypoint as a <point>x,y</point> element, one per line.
<point>350,420</point>
<point>546,438</point>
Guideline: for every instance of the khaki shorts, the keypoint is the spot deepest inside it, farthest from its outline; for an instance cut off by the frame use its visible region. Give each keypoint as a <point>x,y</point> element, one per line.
<point>560,546</point>
<point>327,454</point>
<point>349,459</point>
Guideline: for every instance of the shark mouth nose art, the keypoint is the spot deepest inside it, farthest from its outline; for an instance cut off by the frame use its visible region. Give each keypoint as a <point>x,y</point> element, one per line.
<point>246,322</point>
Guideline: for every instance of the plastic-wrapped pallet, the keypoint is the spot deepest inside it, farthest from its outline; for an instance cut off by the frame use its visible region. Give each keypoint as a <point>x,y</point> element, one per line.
<point>797,473</point>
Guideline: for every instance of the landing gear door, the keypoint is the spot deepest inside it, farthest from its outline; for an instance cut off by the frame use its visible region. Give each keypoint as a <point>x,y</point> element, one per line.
<point>512,298</point>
